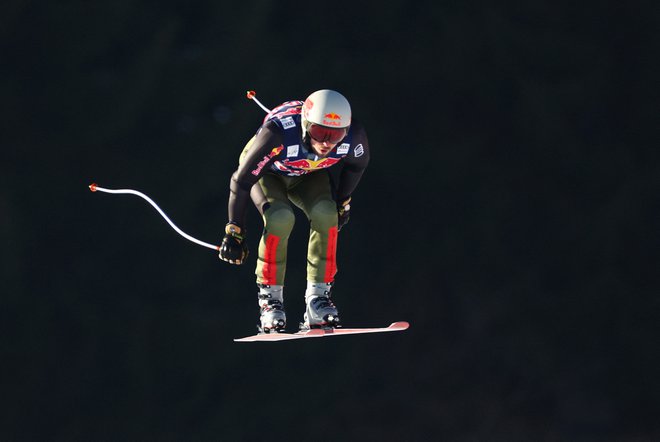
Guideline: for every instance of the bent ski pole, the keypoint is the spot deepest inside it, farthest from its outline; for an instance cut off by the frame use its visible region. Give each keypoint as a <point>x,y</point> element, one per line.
<point>94,187</point>
<point>252,95</point>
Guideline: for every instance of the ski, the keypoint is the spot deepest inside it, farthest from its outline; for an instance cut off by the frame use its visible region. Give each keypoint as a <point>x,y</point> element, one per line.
<point>321,333</point>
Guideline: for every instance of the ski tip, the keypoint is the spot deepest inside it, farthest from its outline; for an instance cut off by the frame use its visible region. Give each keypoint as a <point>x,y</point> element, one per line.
<point>399,325</point>
<point>92,187</point>
<point>251,94</point>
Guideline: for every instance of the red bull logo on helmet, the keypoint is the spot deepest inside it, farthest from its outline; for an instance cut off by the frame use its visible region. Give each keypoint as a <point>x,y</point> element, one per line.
<point>307,106</point>
<point>332,119</point>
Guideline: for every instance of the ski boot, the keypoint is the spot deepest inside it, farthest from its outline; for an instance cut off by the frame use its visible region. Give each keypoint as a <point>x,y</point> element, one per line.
<point>321,312</point>
<point>272,316</point>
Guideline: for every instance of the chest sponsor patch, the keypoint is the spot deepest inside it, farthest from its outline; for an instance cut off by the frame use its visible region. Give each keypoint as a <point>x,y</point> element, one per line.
<point>343,149</point>
<point>292,151</point>
<point>305,165</point>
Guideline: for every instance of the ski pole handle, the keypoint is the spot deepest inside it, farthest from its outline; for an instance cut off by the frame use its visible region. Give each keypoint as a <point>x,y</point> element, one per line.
<point>94,188</point>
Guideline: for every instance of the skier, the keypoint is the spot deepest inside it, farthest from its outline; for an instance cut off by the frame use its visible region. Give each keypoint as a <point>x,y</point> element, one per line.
<point>286,162</point>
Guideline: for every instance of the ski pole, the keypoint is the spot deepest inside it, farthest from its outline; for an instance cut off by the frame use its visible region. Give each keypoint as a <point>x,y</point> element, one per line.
<point>94,187</point>
<point>252,95</point>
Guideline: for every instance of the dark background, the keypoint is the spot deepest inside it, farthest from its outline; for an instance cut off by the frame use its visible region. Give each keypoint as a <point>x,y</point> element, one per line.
<point>510,213</point>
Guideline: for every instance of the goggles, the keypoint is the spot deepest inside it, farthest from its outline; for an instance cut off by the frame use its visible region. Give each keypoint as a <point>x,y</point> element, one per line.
<point>331,135</point>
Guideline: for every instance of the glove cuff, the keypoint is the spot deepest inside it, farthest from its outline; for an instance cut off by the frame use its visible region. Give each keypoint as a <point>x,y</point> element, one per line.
<point>234,231</point>
<point>344,206</point>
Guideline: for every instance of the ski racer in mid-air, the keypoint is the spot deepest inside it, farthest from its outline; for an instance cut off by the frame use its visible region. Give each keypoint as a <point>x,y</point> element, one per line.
<point>286,162</point>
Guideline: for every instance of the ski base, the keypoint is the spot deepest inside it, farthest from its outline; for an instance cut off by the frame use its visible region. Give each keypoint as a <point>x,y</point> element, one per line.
<point>321,333</point>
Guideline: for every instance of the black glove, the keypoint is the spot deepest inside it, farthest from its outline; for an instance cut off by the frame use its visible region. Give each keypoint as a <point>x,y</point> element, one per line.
<point>234,250</point>
<point>343,212</point>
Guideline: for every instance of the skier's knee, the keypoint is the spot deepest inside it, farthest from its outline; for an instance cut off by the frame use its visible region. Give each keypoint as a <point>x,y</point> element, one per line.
<point>279,219</point>
<point>323,215</point>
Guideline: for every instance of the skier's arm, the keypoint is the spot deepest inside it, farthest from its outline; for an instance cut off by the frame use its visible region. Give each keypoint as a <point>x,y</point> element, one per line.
<point>355,164</point>
<point>252,167</point>
<point>261,153</point>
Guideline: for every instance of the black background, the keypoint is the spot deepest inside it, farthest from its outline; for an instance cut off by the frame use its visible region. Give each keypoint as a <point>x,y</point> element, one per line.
<point>510,213</point>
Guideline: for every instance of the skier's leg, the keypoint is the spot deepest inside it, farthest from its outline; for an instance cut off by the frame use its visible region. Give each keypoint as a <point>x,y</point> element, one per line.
<point>278,219</point>
<point>270,197</point>
<point>315,199</point>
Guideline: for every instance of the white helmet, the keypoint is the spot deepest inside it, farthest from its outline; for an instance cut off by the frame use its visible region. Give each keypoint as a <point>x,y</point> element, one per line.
<point>328,109</point>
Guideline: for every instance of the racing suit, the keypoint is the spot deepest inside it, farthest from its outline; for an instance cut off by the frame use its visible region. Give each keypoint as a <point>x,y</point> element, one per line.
<point>277,168</point>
